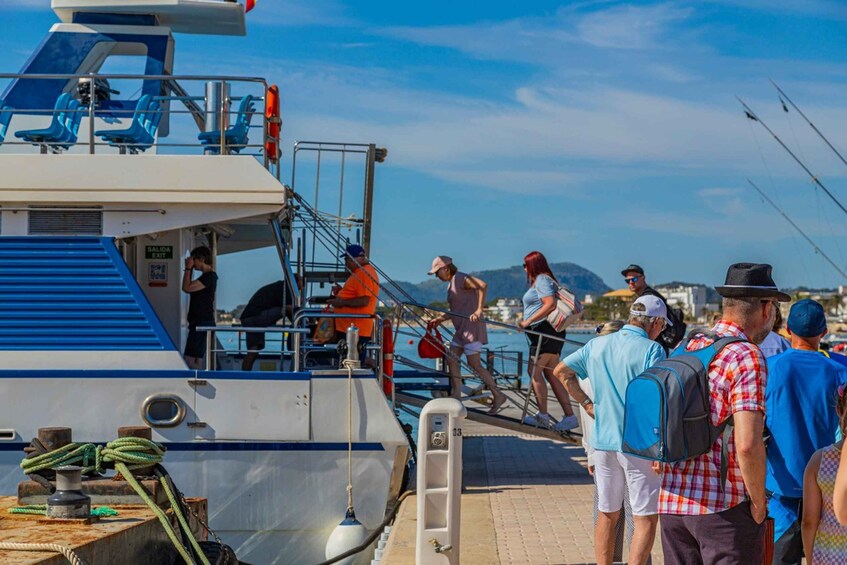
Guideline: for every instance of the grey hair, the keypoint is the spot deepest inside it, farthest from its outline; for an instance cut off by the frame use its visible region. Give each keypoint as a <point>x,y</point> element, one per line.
<point>744,306</point>
<point>610,327</point>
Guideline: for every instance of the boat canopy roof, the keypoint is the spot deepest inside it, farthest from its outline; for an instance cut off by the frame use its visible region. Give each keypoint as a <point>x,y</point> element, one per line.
<point>209,17</point>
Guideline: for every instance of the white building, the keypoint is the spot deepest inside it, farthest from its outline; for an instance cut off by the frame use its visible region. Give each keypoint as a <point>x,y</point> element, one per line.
<point>506,310</point>
<point>690,298</point>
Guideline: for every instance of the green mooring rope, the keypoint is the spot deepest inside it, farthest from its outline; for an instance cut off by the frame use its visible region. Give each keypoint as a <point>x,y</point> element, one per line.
<point>124,455</point>
<point>41,509</point>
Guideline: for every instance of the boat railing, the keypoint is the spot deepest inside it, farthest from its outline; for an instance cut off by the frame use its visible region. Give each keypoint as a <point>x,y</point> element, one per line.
<point>492,357</point>
<point>210,114</point>
<point>213,331</point>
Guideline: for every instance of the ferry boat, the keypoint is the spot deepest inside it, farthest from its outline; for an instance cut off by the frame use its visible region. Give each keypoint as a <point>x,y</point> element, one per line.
<point>102,197</point>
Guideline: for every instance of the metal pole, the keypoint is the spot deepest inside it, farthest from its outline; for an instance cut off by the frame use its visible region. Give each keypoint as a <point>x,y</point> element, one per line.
<point>369,198</point>
<point>91,115</point>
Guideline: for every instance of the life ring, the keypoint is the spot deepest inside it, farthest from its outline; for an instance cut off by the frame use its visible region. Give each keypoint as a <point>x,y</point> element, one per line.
<point>274,123</point>
<point>387,357</point>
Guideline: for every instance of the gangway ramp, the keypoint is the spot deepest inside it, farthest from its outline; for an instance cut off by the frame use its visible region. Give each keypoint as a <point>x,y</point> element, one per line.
<point>501,420</point>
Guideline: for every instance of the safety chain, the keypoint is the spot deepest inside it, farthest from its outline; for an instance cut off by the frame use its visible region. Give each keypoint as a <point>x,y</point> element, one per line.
<point>201,522</point>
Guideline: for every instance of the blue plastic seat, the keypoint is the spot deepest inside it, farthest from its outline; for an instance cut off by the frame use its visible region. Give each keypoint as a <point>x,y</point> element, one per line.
<point>57,132</point>
<point>141,134</point>
<point>73,118</point>
<point>5,118</point>
<point>237,135</point>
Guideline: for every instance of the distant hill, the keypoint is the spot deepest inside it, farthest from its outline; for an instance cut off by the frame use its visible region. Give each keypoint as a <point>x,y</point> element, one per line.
<point>511,283</point>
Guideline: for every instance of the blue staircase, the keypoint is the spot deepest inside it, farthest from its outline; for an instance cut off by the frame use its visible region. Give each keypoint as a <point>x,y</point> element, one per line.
<point>73,294</point>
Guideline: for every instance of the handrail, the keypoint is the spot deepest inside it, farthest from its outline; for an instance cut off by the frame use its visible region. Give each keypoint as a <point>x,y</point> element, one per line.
<point>320,313</point>
<point>494,323</point>
<point>225,146</point>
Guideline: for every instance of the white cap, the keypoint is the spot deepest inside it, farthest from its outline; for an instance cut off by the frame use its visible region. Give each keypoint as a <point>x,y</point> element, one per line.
<point>655,308</point>
<point>439,263</point>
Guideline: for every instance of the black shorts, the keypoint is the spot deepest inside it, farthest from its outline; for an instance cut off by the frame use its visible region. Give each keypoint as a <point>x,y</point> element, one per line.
<point>547,345</point>
<point>195,344</point>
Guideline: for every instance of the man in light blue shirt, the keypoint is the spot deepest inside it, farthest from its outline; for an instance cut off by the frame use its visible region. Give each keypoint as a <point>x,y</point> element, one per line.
<point>610,363</point>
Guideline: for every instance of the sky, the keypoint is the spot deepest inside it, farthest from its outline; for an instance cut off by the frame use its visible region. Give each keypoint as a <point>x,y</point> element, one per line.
<point>597,132</point>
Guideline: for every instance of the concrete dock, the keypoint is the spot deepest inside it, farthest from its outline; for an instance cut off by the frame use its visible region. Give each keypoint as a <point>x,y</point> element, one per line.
<point>525,500</point>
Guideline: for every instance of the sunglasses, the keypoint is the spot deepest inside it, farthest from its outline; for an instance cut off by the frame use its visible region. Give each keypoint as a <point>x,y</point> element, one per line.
<point>631,280</point>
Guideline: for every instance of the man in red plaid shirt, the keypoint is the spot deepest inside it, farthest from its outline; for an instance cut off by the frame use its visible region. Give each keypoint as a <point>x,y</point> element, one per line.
<point>703,521</point>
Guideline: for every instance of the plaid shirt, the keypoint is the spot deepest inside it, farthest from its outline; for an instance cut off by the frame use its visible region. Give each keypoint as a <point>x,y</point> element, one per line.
<point>737,379</point>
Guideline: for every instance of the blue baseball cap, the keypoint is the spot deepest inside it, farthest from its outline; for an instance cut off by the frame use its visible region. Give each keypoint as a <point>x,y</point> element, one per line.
<point>807,318</point>
<point>354,250</point>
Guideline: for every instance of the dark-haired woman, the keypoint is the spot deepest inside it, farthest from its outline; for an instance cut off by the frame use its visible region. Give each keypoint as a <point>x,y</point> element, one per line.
<point>538,302</point>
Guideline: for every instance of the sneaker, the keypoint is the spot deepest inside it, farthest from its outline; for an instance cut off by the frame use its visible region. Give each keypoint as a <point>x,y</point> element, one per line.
<point>540,420</point>
<point>567,423</point>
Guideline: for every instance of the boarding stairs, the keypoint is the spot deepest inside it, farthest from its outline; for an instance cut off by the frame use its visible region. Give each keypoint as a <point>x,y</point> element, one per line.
<point>320,262</point>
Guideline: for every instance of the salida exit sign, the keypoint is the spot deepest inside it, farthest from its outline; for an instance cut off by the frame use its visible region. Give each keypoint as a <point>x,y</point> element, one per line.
<point>159,252</point>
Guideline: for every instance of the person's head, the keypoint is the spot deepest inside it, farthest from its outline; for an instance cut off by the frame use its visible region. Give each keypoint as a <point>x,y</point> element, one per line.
<point>536,264</point>
<point>841,408</point>
<point>633,276</point>
<point>202,257</point>
<point>354,257</point>
<point>609,327</point>
<point>650,314</point>
<point>443,268</point>
<point>749,296</point>
<point>806,324</point>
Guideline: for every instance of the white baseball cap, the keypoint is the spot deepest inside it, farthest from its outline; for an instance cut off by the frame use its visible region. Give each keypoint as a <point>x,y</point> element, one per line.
<point>655,308</point>
<point>440,262</point>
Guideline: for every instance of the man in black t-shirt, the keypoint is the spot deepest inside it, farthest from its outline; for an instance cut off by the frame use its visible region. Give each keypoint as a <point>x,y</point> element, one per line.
<point>263,310</point>
<point>201,308</point>
<point>674,332</point>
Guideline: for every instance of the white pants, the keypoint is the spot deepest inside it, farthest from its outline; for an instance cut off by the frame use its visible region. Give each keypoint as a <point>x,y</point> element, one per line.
<point>613,471</point>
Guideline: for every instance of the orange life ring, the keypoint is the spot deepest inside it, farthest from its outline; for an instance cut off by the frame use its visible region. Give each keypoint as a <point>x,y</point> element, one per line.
<point>387,357</point>
<point>274,123</point>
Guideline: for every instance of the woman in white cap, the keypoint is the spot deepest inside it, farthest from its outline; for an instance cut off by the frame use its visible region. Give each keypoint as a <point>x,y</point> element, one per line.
<point>466,297</point>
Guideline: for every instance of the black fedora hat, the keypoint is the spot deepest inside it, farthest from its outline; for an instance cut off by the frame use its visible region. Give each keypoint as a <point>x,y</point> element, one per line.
<point>751,280</point>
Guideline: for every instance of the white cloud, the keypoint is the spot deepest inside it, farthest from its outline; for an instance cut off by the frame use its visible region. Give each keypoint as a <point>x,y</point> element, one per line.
<point>630,27</point>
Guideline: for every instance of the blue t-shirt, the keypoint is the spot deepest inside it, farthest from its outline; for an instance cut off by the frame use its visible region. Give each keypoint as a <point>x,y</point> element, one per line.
<point>800,414</point>
<point>544,286</point>
<point>774,344</point>
<point>609,362</point>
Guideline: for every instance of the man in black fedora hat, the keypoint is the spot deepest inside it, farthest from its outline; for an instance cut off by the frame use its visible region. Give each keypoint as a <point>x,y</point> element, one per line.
<point>703,521</point>
<point>633,276</point>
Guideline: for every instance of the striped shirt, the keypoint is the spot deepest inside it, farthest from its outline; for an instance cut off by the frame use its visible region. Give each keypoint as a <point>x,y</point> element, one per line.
<point>737,379</point>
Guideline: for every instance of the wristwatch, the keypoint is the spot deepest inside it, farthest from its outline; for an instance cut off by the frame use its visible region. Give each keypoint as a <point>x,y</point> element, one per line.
<point>586,402</point>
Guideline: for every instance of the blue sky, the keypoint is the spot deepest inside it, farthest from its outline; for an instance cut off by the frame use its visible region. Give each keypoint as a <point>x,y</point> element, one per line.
<point>601,133</point>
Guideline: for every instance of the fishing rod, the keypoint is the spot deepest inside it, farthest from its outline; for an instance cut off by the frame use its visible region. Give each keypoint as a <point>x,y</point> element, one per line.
<point>782,95</point>
<point>752,116</point>
<point>796,227</point>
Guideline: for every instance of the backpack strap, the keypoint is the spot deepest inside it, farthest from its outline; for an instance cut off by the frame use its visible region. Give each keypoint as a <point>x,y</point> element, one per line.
<point>726,427</point>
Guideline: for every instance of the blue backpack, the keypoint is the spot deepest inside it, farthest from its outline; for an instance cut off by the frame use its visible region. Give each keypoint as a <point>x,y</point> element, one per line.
<point>666,411</point>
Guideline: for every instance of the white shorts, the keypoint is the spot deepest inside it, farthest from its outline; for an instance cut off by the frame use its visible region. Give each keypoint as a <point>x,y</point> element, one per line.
<point>472,348</point>
<point>613,471</point>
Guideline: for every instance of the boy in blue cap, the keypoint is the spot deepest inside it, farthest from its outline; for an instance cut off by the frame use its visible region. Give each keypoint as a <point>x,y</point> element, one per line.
<point>800,415</point>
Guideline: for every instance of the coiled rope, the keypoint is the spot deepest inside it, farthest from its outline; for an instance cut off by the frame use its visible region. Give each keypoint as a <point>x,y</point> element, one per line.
<point>124,455</point>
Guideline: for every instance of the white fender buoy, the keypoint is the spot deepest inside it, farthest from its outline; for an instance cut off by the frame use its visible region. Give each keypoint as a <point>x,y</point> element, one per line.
<point>348,534</point>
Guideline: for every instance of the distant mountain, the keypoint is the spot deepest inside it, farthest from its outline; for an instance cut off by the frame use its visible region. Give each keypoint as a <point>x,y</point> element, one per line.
<point>511,283</point>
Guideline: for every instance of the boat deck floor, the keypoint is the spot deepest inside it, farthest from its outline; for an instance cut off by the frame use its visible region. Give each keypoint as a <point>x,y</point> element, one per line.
<point>525,499</point>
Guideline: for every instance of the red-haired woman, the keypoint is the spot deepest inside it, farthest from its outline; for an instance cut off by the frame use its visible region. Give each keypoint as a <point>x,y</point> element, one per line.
<point>538,302</point>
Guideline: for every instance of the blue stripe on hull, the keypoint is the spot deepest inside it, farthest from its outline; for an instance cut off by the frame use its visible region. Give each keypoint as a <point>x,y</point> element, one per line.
<point>79,374</point>
<point>242,446</point>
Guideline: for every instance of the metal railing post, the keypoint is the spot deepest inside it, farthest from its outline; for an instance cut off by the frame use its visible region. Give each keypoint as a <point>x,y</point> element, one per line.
<point>91,104</point>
